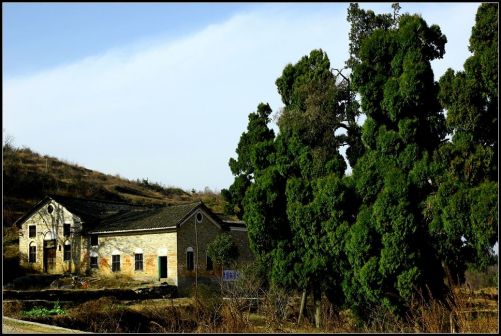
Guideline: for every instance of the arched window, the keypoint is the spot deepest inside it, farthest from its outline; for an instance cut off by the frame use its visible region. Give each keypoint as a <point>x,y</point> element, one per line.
<point>32,255</point>
<point>49,235</point>
<point>67,251</point>
<point>93,260</point>
<point>189,259</point>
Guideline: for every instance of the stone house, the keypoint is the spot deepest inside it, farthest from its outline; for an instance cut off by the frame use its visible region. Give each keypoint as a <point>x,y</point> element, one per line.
<point>154,243</point>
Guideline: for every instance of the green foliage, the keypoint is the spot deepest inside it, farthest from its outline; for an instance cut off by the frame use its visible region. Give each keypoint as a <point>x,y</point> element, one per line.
<point>233,196</point>
<point>317,104</point>
<point>463,211</point>
<point>417,208</point>
<point>363,23</point>
<point>264,205</point>
<point>42,311</point>
<point>253,155</point>
<point>389,246</point>
<point>222,250</point>
<point>471,96</point>
<point>289,188</point>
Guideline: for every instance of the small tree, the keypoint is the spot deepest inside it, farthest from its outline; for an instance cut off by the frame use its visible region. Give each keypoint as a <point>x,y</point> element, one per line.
<point>222,250</point>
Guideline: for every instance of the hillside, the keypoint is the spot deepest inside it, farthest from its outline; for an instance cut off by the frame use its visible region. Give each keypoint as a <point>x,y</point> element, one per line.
<point>29,176</point>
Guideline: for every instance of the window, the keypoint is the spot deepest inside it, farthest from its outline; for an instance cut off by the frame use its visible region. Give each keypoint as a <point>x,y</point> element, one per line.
<point>209,264</point>
<point>32,231</point>
<point>33,254</point>
<point>189,259</point>
<point>139,261</point>
<point>93,262</point>
<point>67,252</point>
<point>66,230</point>
<point>93,240</point>
<point>115,263</point>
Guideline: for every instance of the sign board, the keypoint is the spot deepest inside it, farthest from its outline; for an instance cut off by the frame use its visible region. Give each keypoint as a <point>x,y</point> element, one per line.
<point>230,275</point>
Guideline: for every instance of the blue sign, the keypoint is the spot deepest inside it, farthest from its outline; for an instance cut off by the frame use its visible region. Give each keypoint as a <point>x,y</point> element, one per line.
<point>230,275</point>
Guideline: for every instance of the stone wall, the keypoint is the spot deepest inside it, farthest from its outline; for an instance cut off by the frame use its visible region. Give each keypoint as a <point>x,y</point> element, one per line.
<point>206,231</point>
<point>151,245</point>
<point>49,226</point>
<point>82,295</point>
<point>168,243</point>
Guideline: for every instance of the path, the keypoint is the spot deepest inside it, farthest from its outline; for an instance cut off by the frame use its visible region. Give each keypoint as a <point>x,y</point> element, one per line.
<point>13,326</point>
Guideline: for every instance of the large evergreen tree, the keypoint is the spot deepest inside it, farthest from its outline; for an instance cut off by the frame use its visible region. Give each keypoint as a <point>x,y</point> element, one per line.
<point>389,246</point>
<point>253,151</point>
<point>463,211</point>
<point>293,224</point>
<point>317,104</point>
<point>416,202</point>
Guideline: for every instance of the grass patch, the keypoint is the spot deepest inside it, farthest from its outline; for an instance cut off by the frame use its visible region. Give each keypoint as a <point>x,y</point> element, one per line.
<point>43,312</point>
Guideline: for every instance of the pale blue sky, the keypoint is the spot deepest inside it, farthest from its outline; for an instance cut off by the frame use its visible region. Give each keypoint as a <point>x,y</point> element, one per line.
<point>60,33</point>
<point>163,91</point>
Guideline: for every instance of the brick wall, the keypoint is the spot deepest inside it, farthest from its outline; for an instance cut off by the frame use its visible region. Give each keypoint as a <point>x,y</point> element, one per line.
<point>152,244</point>
<point>207,231</point>
<point>126,245</point>
<point>47,225</point>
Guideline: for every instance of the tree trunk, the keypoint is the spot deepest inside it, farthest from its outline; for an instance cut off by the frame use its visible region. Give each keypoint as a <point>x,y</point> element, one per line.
<point>316,298</point>
<point>302,307</point>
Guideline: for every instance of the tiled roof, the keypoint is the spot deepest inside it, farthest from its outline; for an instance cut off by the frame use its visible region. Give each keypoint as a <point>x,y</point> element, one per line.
<point>155,218</point>
<point>235,224</point>
<point>104,216</point>
<point>91,210</point>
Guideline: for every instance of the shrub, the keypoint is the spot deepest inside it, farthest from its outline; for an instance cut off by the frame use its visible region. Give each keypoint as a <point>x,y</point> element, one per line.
<point>276,307</point>
<point>208,305</point>
<point>13,309</point>
<point>102,315</point>
<point>168,319</point>
<point>43,312</point>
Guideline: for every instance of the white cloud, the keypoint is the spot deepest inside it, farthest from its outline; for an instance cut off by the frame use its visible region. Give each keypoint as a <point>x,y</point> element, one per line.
<point>171,110</point>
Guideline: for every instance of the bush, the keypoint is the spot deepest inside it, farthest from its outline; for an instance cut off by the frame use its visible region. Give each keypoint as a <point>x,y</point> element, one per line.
<point>208,305</point>
<point>168,319</point>
<point>477,280</point>
<point>13,309</point>
<point>276,307</point>
<point>43,312</point>
<point>103,315</point>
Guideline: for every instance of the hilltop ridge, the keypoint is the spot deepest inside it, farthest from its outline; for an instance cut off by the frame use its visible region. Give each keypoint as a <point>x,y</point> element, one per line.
<point>29,176</point>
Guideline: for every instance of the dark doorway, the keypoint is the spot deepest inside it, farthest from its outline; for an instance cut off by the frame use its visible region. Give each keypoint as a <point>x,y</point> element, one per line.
<point>162,267</point>
<point>49,255</point>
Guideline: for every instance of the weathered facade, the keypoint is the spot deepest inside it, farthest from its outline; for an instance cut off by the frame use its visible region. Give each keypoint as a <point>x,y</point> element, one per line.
<point>152,243</point>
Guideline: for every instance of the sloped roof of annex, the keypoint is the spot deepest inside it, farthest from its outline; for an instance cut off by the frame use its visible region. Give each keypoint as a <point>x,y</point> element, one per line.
<point>88,210</point>
<point>167,217</point>
<point>101,216</point>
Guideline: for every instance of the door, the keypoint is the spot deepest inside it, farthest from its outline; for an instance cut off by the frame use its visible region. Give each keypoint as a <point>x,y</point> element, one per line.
<point>162,267</point>
<point>49,254</point>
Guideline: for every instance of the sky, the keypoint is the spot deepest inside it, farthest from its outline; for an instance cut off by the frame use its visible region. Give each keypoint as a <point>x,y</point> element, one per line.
<point>163,90</point>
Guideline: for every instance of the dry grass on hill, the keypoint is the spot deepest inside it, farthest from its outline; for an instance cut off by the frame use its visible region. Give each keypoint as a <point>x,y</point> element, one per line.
<point>29,176</point>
